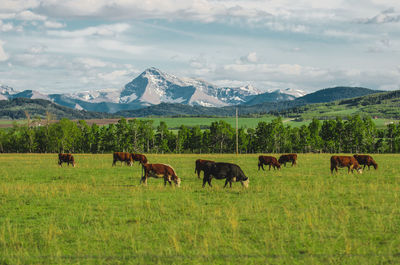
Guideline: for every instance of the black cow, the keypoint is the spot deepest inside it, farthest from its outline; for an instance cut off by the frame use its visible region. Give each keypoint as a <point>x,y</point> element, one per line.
<point>221,170</point>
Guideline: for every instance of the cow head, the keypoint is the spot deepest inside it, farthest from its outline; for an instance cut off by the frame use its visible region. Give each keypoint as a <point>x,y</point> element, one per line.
<point>177,181</point>
<point>245,183</point>
<point>375,165</point>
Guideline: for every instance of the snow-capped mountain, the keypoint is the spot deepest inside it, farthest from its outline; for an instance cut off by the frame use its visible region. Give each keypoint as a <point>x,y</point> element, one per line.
<point>293,92</point>
<point>153,87</point>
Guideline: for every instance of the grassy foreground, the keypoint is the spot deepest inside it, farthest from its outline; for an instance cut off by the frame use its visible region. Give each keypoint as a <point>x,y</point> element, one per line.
<point>98,214</point>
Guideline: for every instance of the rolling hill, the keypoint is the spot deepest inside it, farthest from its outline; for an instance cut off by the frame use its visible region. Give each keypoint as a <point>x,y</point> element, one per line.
<point>382,105</point>
<point>15,109</point>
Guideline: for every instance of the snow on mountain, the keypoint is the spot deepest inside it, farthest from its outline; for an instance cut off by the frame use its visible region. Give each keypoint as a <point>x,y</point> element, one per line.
<point>6,92</point>
<point>154,87</point>
<point>32,94</point>
<point>104,95</point>
<point>293,92</point>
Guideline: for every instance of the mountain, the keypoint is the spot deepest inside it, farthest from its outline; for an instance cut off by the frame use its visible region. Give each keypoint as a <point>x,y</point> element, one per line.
<point>336,93</point>
<point>153,87</point>
<point>277,107</point>
<point>15,109</point>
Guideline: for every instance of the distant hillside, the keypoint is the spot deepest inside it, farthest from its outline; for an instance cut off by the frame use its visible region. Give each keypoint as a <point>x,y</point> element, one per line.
<point>336,93</point>
<point>382,105</point>
<point>15,109</point>
<point>170,109</point>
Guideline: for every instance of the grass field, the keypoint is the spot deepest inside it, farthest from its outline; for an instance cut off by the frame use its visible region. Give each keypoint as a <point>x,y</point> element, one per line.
<point>98,214</point>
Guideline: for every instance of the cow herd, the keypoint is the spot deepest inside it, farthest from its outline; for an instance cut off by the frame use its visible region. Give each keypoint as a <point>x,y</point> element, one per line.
<point>221,170</point>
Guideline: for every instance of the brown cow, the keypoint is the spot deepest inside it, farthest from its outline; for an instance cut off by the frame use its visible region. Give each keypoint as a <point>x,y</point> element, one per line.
<point>366,160</point>
<point>269,161</point>
<point>345,161</point>
<point>200,165</point>
<point>160,171</point>
<point>123,157</point>
<point>283,159</point>
<point>66,158</point>
<point>142,159</point>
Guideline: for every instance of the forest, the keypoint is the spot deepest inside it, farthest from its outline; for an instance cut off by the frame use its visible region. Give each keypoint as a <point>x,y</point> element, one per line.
<point>349,135</point>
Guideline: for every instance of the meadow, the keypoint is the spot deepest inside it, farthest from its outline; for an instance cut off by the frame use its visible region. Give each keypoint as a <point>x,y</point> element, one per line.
<point>99,214</point>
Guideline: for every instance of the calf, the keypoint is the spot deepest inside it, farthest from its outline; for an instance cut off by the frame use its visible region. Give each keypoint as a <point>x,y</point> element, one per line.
<point>283,159</point>
<point>228,171</point>
<point>345,161</point>
<point>66,158</point>
<point>200,165</point>
<point>160,171</point>
<point>269,161</point>
<point>123,157</point>
<point>366,160</point>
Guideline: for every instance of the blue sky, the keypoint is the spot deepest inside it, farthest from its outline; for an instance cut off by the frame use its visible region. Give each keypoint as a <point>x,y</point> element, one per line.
<point>67,46</point>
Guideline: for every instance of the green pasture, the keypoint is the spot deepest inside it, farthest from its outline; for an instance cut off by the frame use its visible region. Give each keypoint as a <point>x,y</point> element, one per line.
<point>99,214</point>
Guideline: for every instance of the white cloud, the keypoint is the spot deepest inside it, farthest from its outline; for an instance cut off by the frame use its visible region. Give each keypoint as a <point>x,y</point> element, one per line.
<point>249,58</point>
<point>89,63</point>
<point>101,30</point>
<point>3,55</point>
<point>6,27</point>
<point>54,25</point>
<point>29,16</point>
<point>17,5</point>
<point>114,76</point>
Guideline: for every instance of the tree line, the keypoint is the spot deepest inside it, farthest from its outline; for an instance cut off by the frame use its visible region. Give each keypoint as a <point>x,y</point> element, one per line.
<point>351,135</point>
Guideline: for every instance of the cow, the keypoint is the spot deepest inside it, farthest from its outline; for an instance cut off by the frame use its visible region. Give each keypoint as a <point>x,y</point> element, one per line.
<point>228,171</point>
<point>123,157</point>
<point>199,166</point>
<point>283,159</point>
<point>345,161</point>
<point>366,160</point>
<point>66,158</point>
<point>269,161</point>
<point>142,159</point>
<point>160,171</point>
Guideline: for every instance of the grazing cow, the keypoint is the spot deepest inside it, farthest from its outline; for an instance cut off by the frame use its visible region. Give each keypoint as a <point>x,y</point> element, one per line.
<point>366,160</point>
<point>269,161</point>
<point>142,159</point>
<point>160,171</point>
<point>345,161</point>
<point>228,171</point>
<point>123,157</point>
<point>66,158</point>
<point>200,164</point>
<point>283,159</point>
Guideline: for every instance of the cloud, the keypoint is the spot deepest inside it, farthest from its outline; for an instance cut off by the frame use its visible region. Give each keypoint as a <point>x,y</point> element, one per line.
<point>101,30</point>
<point>6,27</point>
<point>54,25</point>
<point>249,58</point>
<point>9,6</point>
<point>3,55</point>
<point>28,15</point>
<point>386,16</point>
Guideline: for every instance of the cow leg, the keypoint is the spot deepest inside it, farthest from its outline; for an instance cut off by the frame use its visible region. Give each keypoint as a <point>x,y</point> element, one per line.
<point>269,167</point>
<point>204,181</point>
<point>226,182</point>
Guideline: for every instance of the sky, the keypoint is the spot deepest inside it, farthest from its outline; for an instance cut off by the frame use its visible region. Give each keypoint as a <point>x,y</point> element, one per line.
<point>66,46</point>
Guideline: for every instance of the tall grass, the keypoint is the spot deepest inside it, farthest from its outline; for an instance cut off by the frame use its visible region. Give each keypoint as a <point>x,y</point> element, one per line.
<point>96,213</point>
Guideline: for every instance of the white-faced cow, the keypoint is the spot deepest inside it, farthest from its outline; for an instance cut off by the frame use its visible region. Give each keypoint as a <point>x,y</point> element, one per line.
<point>160,171</point>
